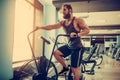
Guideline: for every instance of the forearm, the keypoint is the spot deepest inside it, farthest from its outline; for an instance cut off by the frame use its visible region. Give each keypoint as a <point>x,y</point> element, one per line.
<point>50,27</point>
<point>83,33</point>
<point>45,27</point>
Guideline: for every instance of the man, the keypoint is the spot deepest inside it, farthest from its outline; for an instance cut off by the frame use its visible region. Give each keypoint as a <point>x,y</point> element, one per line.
<point>76,28</point>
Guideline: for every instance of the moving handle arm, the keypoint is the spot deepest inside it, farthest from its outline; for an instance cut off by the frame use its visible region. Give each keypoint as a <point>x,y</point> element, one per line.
<point>28,37</point>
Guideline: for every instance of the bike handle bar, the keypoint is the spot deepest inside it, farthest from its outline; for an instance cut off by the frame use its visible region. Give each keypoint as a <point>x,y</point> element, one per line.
<point>33,55</point>
<point>66,35</point>
<point>46,41</point>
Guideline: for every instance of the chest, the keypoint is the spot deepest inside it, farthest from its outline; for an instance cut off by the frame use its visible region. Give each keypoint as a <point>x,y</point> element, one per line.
<point>74,24</point>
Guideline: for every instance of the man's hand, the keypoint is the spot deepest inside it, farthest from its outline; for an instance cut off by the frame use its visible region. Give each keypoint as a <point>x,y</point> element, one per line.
<point>37,27</point>
<point>73,35</point>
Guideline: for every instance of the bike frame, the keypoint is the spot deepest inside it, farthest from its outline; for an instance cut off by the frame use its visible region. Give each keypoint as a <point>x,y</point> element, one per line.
<point>66,35</point>
<point>43,55</point>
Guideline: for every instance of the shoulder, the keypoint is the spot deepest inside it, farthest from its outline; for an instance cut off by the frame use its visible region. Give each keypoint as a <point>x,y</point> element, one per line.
<point>79,20</point>
<point>61,22</point>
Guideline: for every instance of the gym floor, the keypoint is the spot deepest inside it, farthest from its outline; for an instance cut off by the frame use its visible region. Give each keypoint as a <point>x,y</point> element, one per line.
<point>109,70</point>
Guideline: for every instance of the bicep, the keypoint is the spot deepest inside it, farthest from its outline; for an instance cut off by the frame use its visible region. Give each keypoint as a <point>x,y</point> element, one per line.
<point>58,25</point>
<point>82,24</point>
<point>55,26</point>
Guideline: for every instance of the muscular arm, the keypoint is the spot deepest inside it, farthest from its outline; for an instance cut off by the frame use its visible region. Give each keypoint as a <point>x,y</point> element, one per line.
<point>84,28</point>
<point>50,27</point>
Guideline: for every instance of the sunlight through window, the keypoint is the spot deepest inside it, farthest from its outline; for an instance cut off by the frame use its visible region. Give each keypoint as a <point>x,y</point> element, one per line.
<point>23,25</point>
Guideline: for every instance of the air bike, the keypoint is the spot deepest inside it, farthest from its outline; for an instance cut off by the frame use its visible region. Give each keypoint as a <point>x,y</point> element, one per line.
<point>46,69</point>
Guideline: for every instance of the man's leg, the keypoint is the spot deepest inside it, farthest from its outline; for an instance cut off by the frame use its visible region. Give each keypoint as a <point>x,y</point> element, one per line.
<point>76,73</point>
<point>58,55</point>
<point>63,51</point>
<point>76,59</point>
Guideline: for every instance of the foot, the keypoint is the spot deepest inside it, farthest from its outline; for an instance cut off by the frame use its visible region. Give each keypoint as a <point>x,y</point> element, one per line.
<point>82,78</point>
<point>63,70</point>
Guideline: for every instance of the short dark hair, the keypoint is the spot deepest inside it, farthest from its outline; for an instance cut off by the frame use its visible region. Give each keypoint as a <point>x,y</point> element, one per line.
<point>68,6</point>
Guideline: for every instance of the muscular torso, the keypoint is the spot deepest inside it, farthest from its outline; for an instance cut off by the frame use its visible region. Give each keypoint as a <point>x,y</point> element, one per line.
<point>72,27</point>
<point>75,24</point>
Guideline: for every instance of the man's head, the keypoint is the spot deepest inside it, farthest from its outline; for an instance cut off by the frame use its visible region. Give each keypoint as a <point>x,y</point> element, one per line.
<point>67,11</point>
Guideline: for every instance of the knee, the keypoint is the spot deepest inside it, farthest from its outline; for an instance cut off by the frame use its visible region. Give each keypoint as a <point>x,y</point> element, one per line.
<point>57,53</point>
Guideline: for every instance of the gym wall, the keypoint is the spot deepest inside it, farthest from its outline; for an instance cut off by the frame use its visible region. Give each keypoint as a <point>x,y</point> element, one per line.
<point>6,38</point>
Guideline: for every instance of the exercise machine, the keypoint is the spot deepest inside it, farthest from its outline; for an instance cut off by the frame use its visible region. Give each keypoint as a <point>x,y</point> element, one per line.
<point>46,69</point>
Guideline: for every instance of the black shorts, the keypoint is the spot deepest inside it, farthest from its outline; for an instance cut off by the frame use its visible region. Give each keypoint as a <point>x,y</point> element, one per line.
<point>76,54</point>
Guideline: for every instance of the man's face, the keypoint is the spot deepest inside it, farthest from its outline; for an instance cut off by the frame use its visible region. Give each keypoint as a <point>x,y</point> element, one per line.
<point>66,13</point>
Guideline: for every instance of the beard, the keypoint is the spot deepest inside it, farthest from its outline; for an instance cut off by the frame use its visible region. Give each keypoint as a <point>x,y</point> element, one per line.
<point>67,16</point>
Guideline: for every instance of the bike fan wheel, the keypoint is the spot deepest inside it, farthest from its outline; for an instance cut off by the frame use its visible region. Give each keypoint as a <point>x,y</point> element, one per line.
<point>52,72</point>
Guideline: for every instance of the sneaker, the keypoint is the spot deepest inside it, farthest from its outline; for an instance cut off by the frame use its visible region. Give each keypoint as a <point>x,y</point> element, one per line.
<point>82,78</point>
<point>63,70</point>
